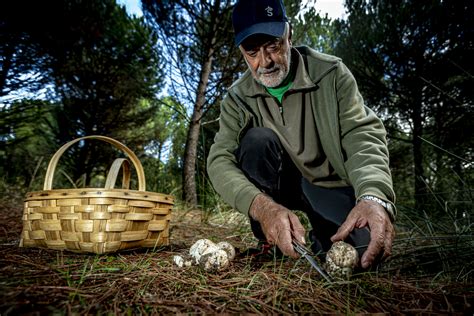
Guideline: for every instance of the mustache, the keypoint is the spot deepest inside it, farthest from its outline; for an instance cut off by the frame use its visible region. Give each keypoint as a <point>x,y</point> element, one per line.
<point>264,71</point>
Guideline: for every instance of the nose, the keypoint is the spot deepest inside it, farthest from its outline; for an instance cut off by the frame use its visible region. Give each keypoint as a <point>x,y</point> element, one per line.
<point>264,58</point>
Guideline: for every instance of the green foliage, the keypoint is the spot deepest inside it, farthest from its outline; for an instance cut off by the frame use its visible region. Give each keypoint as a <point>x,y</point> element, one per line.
<point>310,28</point>
<point>20,54</point>
<point>101,66</point>
<point>202,62</point>
<point>26,129</point>
<point>412,63</point>
<point>192,33</point>
<point>163,162</point>
<point>108,64</point>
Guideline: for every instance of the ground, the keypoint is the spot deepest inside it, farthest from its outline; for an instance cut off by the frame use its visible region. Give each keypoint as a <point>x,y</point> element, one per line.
<point>41,281</point>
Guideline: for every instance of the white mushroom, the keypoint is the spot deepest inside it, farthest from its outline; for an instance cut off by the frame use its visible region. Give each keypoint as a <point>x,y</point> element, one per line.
<point>209,256</point>
<point>182,261</point>
<point>214,261</point>
<point>201,247</point>
<point>224,245</point>
<point>341,260</point>
<point>179,261</point>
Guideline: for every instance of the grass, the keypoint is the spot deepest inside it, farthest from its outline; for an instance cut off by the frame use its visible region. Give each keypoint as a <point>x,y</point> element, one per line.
<point>41,281</point>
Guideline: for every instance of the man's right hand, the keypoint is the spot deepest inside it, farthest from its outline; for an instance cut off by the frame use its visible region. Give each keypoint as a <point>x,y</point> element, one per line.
<point>278,223</point>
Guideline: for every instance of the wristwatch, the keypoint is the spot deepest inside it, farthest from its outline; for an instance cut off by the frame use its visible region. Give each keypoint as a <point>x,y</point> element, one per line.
<point>386,205</point>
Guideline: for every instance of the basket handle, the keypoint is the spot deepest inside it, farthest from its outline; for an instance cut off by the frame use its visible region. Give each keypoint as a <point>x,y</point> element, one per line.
<point>48,181</point>
<point>113,173</point>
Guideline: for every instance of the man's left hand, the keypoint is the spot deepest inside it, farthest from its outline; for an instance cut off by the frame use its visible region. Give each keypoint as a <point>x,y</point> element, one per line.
<point>373,215</point>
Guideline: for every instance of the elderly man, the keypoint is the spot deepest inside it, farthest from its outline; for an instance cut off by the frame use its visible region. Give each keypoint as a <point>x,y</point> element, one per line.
<point>295,134</point>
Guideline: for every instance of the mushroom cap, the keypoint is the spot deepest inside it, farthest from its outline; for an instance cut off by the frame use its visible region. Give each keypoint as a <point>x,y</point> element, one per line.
<point>343,254</point>
<point>341,259</point>
<point>214,261</point>
<point>178,260</point>
<point>201,247</point>
<point>183,261</point>
<point>227,247</point>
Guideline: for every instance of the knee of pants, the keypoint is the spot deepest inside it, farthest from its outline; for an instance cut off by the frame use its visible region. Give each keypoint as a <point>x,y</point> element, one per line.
<point>259,139</point>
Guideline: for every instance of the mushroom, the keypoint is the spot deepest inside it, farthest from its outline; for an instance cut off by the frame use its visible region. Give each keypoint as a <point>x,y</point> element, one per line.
<point>341,260</point>
<point>227,247</point>
<point>201,247</point>
<point>209,256</point>
<point>214,261</point>
<point>182,261</point>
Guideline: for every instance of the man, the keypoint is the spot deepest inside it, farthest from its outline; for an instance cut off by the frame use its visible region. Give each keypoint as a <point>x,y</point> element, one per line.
<point>295,134</point>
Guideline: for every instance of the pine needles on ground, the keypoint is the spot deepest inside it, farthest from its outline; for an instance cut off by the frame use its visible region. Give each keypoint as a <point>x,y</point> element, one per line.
<point>146,281</point>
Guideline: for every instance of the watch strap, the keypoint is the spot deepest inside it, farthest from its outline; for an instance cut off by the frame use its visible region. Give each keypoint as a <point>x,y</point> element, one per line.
<point>386,205</point>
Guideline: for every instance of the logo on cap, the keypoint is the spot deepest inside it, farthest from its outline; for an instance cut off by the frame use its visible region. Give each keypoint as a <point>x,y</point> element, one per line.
<point>269,10</point>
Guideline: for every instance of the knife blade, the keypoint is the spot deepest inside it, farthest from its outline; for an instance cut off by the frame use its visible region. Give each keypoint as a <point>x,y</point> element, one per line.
<point>308,255</point>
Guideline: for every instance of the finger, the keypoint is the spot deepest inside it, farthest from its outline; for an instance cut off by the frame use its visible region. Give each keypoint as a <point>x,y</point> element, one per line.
<point>376,245</point>
<point>345,229</point>
<point>271,235</point>
<point>388,242</point>
<point>297,229</point>
<point>285,244</point>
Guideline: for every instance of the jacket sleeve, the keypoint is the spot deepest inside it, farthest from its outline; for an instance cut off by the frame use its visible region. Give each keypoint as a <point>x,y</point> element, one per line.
<point>227,179</point>
<point>363,139</point>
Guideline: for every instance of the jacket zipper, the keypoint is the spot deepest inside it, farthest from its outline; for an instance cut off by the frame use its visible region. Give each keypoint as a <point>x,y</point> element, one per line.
<point>280,106</point>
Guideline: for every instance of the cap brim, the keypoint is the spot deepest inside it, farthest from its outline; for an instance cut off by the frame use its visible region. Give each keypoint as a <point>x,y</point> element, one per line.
<point>269,28</point>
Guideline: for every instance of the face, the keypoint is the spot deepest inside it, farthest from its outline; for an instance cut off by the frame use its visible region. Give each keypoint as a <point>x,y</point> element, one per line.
<point>268,58</point>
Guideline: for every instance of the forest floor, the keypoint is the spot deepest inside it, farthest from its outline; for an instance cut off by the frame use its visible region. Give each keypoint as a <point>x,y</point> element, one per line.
<point>41,281</point>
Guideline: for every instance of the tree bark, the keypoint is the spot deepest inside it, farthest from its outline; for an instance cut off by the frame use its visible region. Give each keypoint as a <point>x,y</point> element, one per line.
<point>190,151</point>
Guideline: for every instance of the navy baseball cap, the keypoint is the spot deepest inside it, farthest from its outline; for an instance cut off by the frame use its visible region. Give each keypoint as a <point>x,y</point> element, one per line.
<point>251,17</point>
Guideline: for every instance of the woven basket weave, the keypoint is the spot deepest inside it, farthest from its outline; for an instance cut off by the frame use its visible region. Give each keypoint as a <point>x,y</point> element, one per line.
<point>97,220</point>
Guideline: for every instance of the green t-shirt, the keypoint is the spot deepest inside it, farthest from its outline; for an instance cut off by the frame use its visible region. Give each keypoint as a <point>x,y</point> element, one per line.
<point>279,91</point>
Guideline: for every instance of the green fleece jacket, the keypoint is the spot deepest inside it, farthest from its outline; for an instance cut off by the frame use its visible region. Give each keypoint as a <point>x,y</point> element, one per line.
<point>352,137</point>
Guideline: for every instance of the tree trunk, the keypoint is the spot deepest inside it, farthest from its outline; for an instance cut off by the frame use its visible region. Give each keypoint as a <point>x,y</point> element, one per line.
<point>190,151</point>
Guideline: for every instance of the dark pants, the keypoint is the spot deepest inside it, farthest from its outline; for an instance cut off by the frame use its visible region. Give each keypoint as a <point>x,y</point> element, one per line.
<point>265,162</point>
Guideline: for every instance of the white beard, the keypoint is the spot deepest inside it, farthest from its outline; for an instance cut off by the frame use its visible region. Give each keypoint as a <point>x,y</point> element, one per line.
<point>274,76</point>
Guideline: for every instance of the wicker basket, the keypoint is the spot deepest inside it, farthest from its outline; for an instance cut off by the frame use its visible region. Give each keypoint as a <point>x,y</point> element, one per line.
<point>97,220</point>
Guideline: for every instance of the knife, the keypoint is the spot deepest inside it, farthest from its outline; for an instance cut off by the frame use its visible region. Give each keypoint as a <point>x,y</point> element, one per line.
<point>308,255</point>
